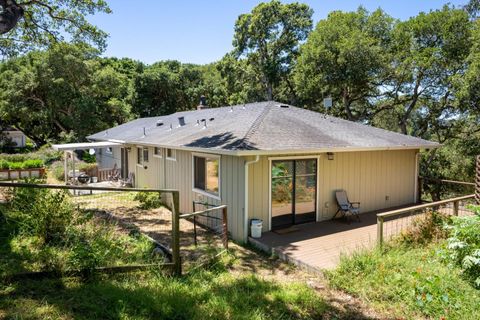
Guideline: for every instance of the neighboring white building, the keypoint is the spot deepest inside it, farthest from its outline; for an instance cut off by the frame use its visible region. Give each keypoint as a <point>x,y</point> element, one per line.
<point>17,137</point>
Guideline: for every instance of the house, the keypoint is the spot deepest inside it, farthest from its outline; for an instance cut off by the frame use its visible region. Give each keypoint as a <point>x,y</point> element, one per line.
<point>269,160</point>
<point>14,138</point>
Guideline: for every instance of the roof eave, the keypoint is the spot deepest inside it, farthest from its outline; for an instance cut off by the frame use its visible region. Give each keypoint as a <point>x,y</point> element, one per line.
<point>278,152</point>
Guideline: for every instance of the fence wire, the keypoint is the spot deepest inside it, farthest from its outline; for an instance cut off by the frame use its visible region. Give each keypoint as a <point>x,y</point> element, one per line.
<point>402,223</point>
<point>135,226</point>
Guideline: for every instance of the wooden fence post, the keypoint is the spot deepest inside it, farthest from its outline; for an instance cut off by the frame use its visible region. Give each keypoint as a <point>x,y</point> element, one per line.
<point>380,231</point>
<point>455,208</point>
<point>224,228</point>
<point>477,181</point>
<point>177,263</point>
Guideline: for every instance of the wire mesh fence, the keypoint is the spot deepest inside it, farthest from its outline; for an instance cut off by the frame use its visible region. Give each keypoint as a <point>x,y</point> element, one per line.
<point>396,223</point>
<point>438,189</point>
<point>76,228</point>
<point>143,223</point>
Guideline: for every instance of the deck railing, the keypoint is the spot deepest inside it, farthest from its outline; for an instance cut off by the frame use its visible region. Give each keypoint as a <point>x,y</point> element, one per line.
<point>381,217</point>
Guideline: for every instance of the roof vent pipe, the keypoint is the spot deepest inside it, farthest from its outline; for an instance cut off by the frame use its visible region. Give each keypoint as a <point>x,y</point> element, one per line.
<point>181,121</point>
<point>159,123</point>
<point>231,109</point>
<point>204,123</point>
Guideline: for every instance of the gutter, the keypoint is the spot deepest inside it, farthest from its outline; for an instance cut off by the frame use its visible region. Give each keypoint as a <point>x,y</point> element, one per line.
<point>416,194</point>
<point>246,153</point>
<point>245,210</point>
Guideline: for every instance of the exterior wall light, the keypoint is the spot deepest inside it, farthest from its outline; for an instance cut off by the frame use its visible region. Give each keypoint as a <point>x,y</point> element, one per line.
<point>330,155</point>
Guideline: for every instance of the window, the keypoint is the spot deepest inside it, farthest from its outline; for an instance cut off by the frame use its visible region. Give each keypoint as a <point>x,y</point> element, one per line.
<point>171,154</point>
<point>142,155</point>
<point>206,174</point>
<point>157,152</point>
<point>145,154</point>
<point>139,156</point>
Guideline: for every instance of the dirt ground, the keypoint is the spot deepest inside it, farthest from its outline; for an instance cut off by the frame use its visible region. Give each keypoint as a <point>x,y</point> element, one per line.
<point>156,224</point>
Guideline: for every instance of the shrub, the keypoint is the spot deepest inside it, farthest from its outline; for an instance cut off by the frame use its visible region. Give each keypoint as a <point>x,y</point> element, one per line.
<point>4,164</point>
<point>33,163</point>
<point>15,165</point>
<point>58,171</point>
<point>15,157</point>
<point>42,212</point>
<point>89,158</point>
<point>88,168</point>
<point>426,228</point>
<point>148,200</point>
<point>464,245</point>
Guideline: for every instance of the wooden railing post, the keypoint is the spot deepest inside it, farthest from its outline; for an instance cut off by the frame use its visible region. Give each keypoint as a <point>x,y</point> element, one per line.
<point>177,263</point>
<point>224,228</point>
<point>380,231</point>
<point>477,181</point>
<point>455,208</point>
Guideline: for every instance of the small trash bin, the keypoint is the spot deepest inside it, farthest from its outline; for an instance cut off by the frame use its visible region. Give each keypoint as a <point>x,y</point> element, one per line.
<point>256,228</point>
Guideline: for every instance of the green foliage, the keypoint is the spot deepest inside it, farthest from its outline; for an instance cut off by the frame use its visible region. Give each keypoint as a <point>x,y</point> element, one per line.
<point>345,58</point>
<point>33,163</point>
<point>27,164</point>
<point>148,200</point>
<point>45,231</point>
<point>426,228</point>
<point>409,283</point>
<point>210,293</point>
<point>464,245</point>
<point>89,158</point>
<point>41,212</point>
<point>269,39</point>
<point>73,94</point>
<point>4,164</point>
<point>46,22</point>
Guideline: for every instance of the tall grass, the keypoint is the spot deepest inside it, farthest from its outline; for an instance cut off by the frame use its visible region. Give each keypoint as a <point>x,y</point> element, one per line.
<point>211,293</point>
<point>409,282</point>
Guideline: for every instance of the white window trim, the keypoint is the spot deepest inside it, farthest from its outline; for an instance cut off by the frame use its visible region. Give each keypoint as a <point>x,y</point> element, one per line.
<point>160,155</point>
<point>174,153</point>
<point>203,192</point>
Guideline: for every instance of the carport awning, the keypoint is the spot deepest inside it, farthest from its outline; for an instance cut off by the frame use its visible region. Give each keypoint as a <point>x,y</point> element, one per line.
<point>85,145</point>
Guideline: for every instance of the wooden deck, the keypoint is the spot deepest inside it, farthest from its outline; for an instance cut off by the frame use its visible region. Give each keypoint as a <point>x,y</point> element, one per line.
<point>319,245</point>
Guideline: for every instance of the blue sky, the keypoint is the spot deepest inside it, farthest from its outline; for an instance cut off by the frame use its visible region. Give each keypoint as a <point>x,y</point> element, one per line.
<point>201,31</point>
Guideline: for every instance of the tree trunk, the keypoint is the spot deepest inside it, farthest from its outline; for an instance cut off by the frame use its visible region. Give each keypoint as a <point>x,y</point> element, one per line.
<point>269,90</point>
<point>10,15</point>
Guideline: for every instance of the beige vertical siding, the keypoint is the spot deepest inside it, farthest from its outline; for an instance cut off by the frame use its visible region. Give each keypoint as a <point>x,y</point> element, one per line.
<point>177,174</point>
<point>378,179</point>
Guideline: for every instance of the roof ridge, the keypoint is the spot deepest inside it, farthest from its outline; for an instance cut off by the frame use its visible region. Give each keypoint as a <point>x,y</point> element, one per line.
<point>256,124</point>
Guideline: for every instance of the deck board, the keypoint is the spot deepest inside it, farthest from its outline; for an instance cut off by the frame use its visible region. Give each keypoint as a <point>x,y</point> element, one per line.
<point>319,245</point>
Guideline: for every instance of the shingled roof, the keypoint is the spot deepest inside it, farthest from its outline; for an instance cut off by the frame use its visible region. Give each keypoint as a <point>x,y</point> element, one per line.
<point>258,128</point>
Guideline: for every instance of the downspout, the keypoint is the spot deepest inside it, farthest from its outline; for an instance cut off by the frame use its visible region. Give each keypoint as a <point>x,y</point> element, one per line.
<point>415,195</point>
<point>245,226</point>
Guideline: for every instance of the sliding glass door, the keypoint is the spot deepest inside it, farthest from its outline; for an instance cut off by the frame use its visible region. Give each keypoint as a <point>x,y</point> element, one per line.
<point>294,192</point>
